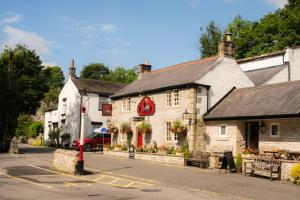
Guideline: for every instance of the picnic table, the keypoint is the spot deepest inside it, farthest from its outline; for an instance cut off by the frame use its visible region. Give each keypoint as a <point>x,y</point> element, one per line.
<point>294,155</point>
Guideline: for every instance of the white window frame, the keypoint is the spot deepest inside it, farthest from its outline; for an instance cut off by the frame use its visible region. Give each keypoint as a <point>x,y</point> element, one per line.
<point>123,105</point>
<point>278,133</point>
<point>175,138</point>
<point>226,131</point>
<point>128,105</point>
<point>123,136</point>
<point>168,132</point>
<point>175,98</point>
<point>101,101</point>
<point>169,98</point>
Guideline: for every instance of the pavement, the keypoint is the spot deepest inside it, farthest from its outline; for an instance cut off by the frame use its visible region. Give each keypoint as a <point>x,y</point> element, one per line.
<point>29,176</point>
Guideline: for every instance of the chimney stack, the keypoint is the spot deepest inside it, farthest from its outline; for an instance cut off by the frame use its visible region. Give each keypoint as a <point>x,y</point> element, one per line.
<point>226,47</point>
<point>144,68</point>
<point>72,70</point>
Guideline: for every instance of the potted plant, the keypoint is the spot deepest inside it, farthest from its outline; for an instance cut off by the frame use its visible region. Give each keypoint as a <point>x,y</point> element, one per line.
<point>186,151</point>
<point>238,163</point>
<point>65,140</point>
<point>295,173</point>
<point>178,127</point>
<point>126,128</point>
<point>112,129</point>
<point>144,127</point>
<point>179,151</point>
<point>248,153</point>
<point>162,150</point>
<point>124,147</point>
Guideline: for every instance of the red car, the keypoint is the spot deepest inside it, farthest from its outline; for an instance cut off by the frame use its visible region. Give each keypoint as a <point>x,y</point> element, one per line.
<point>92,141</point>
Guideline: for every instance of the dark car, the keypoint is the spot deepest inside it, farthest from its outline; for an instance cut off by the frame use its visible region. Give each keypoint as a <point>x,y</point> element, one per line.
<point>92,141</point>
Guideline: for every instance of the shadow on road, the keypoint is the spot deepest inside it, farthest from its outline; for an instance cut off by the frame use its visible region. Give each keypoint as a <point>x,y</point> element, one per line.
<point>35,150</point>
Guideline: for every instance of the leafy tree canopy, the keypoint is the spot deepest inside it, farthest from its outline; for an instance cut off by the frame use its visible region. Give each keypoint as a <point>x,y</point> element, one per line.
<point>94,71</point>
<point>22,86</point>
<point>98,71</point>
<point>210,39</point>
<point>274,31</point>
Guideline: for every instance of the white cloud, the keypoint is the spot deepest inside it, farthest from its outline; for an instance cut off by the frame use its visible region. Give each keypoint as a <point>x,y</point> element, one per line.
<point>118,41</point>
<point>49,64</point>
<point>193,3</point>
<point>108,28</point>
<point>34,41</point>
<point>11,19</point>
<point>277,3</point>
<point>64,19</point>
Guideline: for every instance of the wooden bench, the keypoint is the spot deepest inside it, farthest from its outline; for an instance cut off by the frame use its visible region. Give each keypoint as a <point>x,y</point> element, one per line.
<point>263,167</point>
<point>199,158</point>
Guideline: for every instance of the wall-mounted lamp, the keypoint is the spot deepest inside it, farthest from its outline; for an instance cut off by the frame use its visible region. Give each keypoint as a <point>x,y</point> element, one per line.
<point>186,115</point>
<point>262,127</point>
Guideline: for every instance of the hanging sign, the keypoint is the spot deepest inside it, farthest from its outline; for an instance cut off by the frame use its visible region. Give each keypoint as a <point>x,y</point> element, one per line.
<point>146,107</point>
<point>106,109</point>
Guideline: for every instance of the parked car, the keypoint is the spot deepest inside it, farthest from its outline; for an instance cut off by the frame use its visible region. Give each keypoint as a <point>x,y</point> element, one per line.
<point>92,141</point>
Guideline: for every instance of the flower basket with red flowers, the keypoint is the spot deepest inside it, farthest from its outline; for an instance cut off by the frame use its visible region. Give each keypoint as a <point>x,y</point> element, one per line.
<point>144,127</point>
<point>178,127</point>
<point>126,128</point>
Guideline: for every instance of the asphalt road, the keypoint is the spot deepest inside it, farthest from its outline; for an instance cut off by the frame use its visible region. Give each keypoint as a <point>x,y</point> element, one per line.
<point>28,176</point>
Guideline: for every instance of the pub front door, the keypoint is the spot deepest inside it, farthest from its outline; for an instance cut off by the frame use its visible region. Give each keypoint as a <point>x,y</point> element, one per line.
<point>140,140</point>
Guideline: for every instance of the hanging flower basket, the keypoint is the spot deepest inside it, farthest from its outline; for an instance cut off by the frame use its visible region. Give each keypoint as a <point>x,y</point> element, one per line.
<point>178,128</point>
<point>144,127</point>
<point>126,128</point>
<point>112,130</point>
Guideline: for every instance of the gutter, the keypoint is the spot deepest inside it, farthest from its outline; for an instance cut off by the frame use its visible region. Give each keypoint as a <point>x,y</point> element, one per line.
<point>253,117</point>
<point>158,90</point>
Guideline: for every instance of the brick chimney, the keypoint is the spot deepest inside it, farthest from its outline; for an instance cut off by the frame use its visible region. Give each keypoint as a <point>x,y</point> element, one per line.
<point>144,68</point>
<point>72,70</point>
<point>226,47</point>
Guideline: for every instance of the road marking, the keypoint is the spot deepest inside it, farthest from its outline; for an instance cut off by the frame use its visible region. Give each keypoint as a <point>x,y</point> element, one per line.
<point>116,179</point>
<point>96,181</point>
<point>22,179</point>
<point>70,184</point>
<point>124,175</point>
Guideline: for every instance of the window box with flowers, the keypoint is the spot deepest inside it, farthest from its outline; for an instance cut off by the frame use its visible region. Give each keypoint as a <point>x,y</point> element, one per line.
<point>144,127</point>
<point>178,127</point>
<point>248,153</point>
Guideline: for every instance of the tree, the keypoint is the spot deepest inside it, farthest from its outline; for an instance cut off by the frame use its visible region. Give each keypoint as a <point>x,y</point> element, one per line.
<point>242,35</point>
<point>120,74</point>
<point>95,71</point>
<point>209,40</point>
<point>54,79</point>
<point>35,129</point>
<point>22,86</point>
<point>275,31</point>
<point>23,123</point>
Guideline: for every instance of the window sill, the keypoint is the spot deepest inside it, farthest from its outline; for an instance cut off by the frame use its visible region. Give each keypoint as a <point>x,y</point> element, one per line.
<point>222,138</point>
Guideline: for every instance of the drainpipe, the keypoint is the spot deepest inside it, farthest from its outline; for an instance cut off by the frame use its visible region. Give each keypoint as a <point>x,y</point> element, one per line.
<point>207,98</point>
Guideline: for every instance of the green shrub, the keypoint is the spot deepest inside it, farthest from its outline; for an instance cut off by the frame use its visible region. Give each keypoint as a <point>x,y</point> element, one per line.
<point>239,160</point>
<point>54,136</point>
<point>38,142</point>
<point>295,173</point>
<point>35,129</point>
<point>24,121</point>
<point>185,149</point>
<point>124,147</point>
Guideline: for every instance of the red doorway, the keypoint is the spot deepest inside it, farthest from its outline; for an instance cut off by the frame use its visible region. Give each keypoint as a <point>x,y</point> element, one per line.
<point>140,139</point>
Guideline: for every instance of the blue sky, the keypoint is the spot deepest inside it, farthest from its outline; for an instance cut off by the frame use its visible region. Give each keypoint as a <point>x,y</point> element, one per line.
<point>119,32</point>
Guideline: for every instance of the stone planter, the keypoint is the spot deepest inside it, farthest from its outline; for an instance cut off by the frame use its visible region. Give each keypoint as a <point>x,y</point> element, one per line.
<point>117,148</point>
<point>179,154</point>
<point>246,156</point>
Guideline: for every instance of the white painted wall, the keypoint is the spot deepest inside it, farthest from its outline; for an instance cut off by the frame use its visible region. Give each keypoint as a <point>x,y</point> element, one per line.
<point>46,124</point>
<point>226,75</point>
<point>262,63</point>
<point>280,77</point>
<point>72,116</point>
<point>293,56</point>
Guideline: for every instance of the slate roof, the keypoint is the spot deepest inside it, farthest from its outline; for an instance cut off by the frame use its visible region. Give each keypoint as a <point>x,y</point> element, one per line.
<point>281,100</point>
<point>260,76</point>
<point>181,74</point>
<point>98,86</point>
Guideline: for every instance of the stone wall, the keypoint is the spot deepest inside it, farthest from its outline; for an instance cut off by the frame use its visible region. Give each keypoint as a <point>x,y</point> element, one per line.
<point>289,135</point>
<point>150,157</point>
<point>65,161</point>
<point>162,115</point>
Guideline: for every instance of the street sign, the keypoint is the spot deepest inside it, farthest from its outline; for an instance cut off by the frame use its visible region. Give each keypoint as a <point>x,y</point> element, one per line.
<point>131,152</point>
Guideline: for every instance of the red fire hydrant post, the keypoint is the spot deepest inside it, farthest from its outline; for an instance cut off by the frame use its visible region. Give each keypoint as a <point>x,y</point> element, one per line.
<point>80,162</point>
